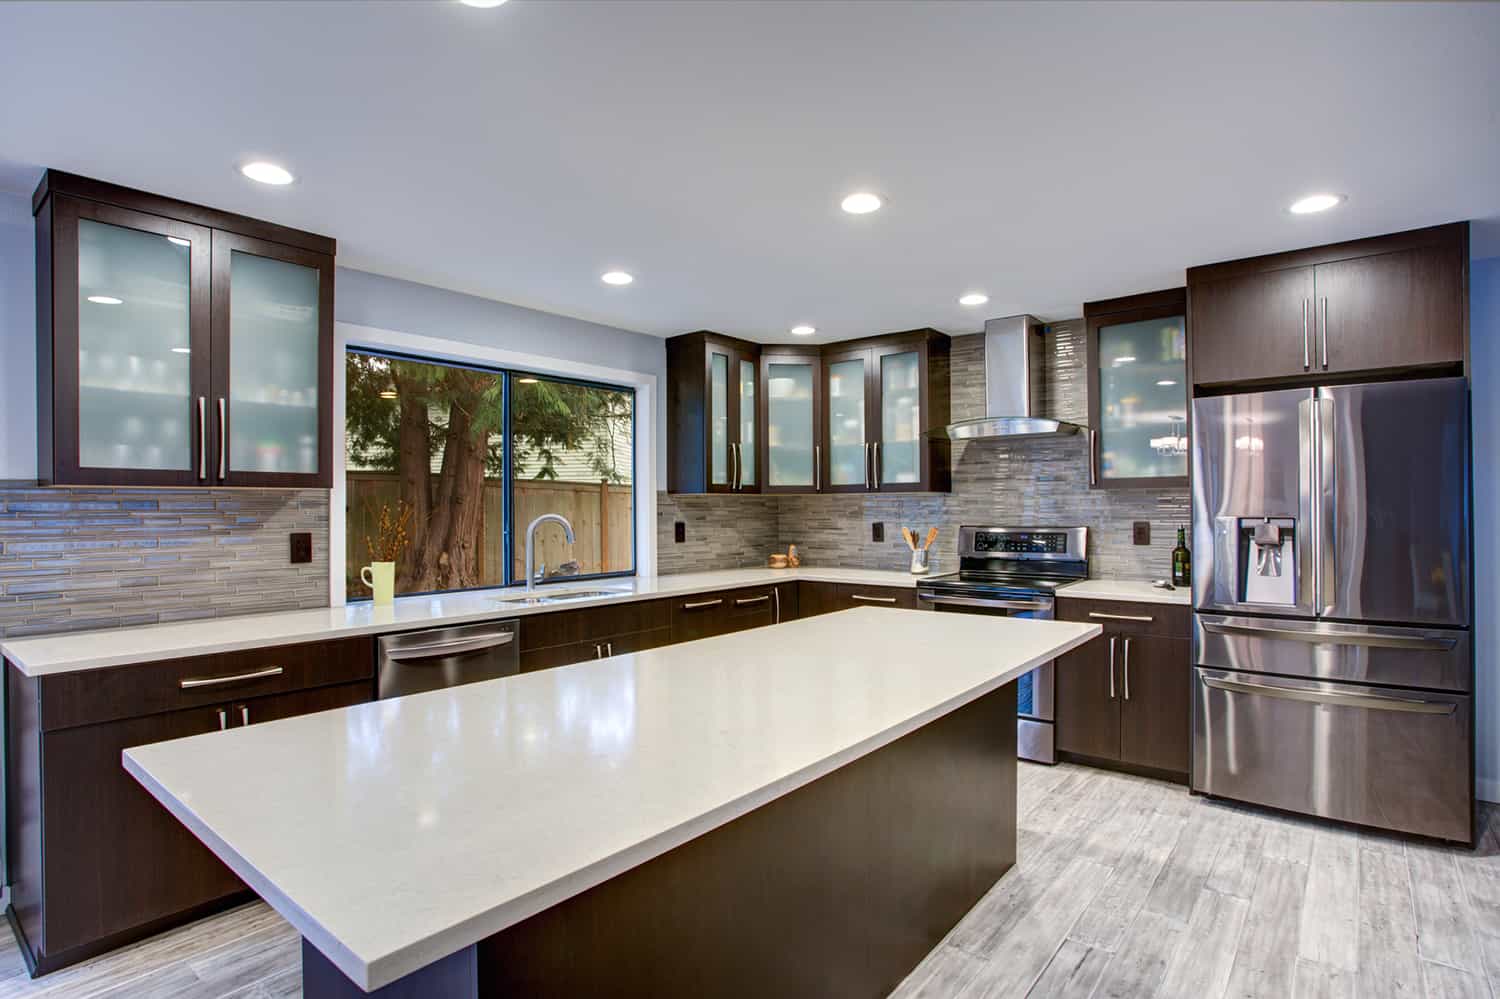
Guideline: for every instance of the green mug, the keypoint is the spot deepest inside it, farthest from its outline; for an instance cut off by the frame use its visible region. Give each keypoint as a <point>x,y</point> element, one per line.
<point>380,577</point>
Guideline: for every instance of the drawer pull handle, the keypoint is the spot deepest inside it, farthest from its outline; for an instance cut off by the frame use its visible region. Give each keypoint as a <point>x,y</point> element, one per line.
<point>700,604</point>
<point>1369,640</point>
<point>244,714</point>
<point>215,681</point>
<point>1101,616</point>
<point>1377,702</point>
<point>747,601</point>
<point>223,719</point>
<point>872,600</point>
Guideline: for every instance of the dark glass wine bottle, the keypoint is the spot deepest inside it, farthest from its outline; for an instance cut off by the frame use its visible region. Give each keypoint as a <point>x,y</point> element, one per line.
<point>1182,560</point>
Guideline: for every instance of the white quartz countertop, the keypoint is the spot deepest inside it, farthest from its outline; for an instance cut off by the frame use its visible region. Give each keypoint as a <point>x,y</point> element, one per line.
<point>124,646</point>
<point>1136,591</point>
<point>393,833</point>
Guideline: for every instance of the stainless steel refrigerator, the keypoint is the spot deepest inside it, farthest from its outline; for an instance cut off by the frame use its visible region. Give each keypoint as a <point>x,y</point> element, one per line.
<point>1331,590</point>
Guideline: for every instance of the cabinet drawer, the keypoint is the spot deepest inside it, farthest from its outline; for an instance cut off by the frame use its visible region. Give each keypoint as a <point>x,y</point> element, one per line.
<point>591,624</point>
<point>877,596</point>
<point>1124,618</point>
<point>577,652</point>
<point>93,696</point>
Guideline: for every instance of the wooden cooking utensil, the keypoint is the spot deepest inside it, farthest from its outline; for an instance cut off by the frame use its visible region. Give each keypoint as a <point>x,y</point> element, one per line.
<point>931,537</point>
<point>909,538</point>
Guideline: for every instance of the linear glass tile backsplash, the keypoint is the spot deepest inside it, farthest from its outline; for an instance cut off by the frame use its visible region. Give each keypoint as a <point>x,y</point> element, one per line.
<point>74,559</point>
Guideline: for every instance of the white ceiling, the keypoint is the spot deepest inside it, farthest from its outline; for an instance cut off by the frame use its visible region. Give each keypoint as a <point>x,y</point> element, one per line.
<point>1045,154</point>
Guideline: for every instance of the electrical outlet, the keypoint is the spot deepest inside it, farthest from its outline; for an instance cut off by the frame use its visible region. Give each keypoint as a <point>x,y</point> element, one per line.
<point>877,531</point>
<point>1142,533</point>
<point>679,532</point>
<point>301,547</point>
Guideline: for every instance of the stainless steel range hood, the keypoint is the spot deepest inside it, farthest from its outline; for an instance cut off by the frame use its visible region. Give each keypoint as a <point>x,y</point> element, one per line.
<point>1013,349</point>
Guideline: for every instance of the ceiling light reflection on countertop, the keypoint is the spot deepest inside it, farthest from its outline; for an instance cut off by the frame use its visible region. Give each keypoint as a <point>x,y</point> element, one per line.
<point>804,330</point>
<point>973,298</point>
<point>1315,203</point>
<point>861,203</point>
<point>617,278</point>
<point>263,172</point>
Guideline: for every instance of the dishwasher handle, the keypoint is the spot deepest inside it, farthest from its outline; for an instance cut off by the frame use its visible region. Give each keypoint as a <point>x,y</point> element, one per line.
<point>455,647</point>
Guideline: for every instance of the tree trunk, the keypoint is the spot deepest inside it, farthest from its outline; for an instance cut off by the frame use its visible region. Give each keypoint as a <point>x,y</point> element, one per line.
<point>413,466</point>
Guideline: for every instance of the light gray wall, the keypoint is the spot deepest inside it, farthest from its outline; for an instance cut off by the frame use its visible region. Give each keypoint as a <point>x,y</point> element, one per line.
<point>1484,332</point>
<point>406,307</point>
<point>17,339</point>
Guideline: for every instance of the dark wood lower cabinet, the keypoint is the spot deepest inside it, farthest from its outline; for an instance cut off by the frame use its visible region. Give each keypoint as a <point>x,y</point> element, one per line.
<point>825,598</point>
<point>1124,698</point>
<point>95,861</point>
<point>817,598</point>
<point>577,652</point>
<point>703,615</point>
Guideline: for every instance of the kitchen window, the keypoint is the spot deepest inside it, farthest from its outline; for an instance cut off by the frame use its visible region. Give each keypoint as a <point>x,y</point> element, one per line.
<point>447,464</point>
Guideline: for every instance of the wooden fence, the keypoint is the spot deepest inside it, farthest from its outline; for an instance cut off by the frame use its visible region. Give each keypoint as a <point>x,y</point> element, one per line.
<point>600,513</point>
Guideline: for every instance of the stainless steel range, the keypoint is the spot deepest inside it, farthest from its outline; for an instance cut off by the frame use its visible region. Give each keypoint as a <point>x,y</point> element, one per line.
<point>1015,572</point>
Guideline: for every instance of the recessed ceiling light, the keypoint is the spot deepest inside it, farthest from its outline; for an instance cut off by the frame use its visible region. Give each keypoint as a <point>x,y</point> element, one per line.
<point>267,173</point>
<point>526,381</point>
<point>179,241</point>
<point>482,4</point>
<point>1165,382</point>
<point>973,298</point>
<point>182,350</point>
<point>861,203</point>
<point>106,300</point>
<point>618,278</point>
<point>803,330</point>
<point>1315,203</point>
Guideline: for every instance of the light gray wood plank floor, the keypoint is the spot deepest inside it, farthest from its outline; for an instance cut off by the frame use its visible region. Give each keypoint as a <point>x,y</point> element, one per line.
<point>1123,887</point>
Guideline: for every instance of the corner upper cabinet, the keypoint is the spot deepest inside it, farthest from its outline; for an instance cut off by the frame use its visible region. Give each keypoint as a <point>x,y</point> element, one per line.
<point>1137,370</point>
<point>178,345</point>
<point>1388,304</point>
<point>713,433</point>
<point>883,397</point>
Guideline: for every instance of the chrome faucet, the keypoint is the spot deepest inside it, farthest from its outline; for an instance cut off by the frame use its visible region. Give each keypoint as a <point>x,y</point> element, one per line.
<point>531,543</point>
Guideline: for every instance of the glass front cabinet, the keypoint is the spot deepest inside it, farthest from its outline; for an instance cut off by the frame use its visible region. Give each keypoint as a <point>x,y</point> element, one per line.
<point>713,405</point>
<point>853,416</point>
<point>1138,400</point>
<point>179,346</point>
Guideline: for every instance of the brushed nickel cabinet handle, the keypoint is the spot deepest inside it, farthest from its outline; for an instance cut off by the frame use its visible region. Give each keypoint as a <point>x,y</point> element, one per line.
<point>1102,616</point>
<point>872,600</point>
<point>747,601</point>
<point>1325,333</point>
<point>817,467</point>
<point>1306,336</point>
<point>776,592</point>
<point>1093,450</point>
<point>700,604</point>
<point>1126,670</point>
<point>1111,667</point>
<point>215,681</point>
<point>244,714</point>
<point>876,464</point>
<point>202,437</point>
<point>598,651</point>
<point>867,464</point>
<point>223,719</point>
<point>609,648</point>
<point>223,434</point>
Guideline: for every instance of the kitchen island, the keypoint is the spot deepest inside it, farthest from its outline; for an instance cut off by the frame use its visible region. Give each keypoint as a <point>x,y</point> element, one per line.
<point>803,809</point>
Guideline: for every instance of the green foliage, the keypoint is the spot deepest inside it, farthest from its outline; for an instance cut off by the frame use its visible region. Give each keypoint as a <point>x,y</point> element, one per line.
<point>552,418</point>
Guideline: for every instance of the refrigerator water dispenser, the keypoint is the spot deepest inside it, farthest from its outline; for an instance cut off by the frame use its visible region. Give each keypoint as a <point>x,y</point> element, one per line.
<point>1267,561</point>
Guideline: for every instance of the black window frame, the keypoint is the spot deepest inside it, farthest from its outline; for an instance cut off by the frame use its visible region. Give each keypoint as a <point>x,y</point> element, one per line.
<point>508,528</point>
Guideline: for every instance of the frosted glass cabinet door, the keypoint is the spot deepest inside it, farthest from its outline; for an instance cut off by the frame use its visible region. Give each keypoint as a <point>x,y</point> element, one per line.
<point>900,419</point>
<point>718,419</point>
<point>747,400</point>
<point>791,424</point>
<point>269,355</point>
<point>140,315</point>
<point>848,440</point>
<point>1142,424</point>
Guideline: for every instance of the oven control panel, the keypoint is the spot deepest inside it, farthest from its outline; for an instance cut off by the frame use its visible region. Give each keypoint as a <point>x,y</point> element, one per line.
<point>1039,543</point>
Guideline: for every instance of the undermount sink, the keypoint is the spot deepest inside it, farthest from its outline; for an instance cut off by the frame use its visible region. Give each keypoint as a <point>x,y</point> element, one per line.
<point>561,596</point>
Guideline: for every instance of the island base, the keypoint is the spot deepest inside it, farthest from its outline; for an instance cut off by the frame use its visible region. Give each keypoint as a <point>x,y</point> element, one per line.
<point>838,888</point>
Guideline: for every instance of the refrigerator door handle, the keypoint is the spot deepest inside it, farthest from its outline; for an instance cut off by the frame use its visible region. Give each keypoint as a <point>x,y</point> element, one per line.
<point>1379,702</point>
<point>1327,557</point>
<point>1307,510</point>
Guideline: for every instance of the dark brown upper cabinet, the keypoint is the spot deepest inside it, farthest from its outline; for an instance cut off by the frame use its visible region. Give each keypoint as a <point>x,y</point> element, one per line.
<point>1137,385</point>
<point>884,396</point>
<point>1387,305</point>
<point>854,416</point>
<point>178,345</point>
<point>713,388</point>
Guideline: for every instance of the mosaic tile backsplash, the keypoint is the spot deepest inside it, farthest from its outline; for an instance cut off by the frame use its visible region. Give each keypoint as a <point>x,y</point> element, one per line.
<point>1039,482</point>
<point>73,559</point>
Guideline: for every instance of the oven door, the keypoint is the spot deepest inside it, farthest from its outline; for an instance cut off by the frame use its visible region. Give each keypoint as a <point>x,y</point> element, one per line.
<point>1034,690</point>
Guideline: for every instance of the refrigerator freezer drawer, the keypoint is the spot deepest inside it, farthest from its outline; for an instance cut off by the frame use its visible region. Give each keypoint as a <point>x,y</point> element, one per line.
<point>1399,760</point>
<point>1403,657</point>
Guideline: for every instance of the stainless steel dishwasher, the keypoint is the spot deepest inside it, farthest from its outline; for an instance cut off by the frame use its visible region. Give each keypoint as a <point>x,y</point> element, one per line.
<point>415,661</point>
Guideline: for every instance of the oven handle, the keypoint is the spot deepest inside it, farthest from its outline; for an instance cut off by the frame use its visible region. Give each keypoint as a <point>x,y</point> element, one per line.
<point>1024,605</point>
